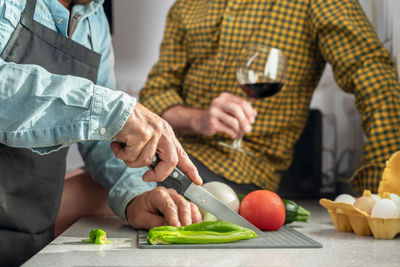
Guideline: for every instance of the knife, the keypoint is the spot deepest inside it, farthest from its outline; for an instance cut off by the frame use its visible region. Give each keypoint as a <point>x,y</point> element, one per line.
<point>202,198</point>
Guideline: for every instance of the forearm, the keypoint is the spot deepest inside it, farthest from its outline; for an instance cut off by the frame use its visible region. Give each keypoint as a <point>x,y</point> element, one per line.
<point>184,121</point>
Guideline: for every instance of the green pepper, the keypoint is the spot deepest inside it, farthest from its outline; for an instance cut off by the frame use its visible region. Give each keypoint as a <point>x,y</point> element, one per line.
<point>199,233</point>
<point>98,237</point>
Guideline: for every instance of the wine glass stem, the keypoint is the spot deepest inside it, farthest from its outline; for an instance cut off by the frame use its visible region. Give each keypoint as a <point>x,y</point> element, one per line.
<point>237,143</point>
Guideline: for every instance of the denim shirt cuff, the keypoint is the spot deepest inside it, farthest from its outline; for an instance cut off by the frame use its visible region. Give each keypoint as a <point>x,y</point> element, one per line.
<point>106,122</point>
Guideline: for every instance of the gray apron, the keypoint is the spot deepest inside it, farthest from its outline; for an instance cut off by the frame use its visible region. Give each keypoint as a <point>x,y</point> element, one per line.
<point>31,184</point>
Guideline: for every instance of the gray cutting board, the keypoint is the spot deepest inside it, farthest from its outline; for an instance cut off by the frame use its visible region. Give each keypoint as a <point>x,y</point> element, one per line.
<point>285,237</point>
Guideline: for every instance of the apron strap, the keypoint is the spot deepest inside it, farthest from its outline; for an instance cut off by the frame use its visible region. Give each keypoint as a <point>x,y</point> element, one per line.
<point>29,11</point>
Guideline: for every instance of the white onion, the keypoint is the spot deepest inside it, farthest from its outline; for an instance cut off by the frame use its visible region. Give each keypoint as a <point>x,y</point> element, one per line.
<point>224,193</point>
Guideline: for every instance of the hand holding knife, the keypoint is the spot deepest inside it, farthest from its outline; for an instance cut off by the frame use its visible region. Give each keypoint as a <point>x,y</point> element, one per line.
<point>145,133</point>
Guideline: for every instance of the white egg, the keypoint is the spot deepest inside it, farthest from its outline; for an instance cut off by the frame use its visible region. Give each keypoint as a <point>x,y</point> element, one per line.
<point>346,198</point>
<point>364,204</point>
<point>385,208</point>
<point>375,197</point>
<point>396,199</point>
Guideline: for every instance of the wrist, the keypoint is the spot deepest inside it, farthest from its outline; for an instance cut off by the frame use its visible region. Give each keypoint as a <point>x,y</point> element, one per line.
<point>194,121</point>
<point>183,120</point>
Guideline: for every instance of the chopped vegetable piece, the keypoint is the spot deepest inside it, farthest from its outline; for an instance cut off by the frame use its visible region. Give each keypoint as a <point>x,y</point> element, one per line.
<point>98,237</point>
<point>199,233</point>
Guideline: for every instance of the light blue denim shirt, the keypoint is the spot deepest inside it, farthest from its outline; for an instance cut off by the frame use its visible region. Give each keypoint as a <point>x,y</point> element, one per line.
<point>45,112</point>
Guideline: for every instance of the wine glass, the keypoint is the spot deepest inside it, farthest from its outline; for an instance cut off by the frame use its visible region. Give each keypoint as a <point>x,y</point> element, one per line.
<point>261,73</point>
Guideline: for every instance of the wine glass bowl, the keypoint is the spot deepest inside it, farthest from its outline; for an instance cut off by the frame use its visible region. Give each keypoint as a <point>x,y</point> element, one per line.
<point>261,73</point>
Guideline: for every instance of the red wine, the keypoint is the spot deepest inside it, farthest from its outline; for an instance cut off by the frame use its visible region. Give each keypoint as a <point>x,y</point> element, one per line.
<point>261,90</point>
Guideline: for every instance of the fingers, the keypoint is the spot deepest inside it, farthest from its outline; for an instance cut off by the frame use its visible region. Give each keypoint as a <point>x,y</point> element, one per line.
<point>220,121</point>
<point>167,153</point>
<point>135,134</point>
<point>153,208</point>
<point>116,147</point>
<point>187,166</point>
<point>163,202</point>
<point>234,113</point>
<point>146,155</point>
<point>183,207</point>
<point>248,110</point>
<point>239,109</point>
<point>161,206</point>
<point>188,212</point>
<point>141,214</point>
<point>144,133</point>
<point>196,215</point>
<point>171,153</point>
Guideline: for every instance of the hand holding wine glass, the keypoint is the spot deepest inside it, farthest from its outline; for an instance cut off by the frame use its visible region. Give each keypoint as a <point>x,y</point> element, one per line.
<point>261,73</point>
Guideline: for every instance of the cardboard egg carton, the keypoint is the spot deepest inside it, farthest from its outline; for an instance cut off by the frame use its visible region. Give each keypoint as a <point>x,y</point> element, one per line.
<point>347,218</point>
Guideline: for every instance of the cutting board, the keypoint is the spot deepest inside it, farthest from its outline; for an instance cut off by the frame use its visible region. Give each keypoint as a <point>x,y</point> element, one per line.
<point>285,237</point>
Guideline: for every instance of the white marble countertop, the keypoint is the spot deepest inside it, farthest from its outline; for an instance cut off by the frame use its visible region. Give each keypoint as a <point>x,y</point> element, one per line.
<point>339,249</point>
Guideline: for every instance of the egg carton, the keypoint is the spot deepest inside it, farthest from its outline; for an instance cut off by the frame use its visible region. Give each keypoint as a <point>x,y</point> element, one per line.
<point>347,218</point>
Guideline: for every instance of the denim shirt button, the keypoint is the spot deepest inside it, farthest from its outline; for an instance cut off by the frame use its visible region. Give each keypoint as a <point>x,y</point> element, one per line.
<point>103,131</point>
<point>59,20</point>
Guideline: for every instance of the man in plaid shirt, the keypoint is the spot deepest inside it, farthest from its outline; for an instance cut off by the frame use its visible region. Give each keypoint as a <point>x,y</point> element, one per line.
<point>193,85</point>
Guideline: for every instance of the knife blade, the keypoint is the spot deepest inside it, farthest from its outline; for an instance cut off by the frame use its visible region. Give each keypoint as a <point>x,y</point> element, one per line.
<point>202,198</point>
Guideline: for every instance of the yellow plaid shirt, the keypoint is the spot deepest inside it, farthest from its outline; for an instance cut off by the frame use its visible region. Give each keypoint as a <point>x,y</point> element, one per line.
<point>198,60</point>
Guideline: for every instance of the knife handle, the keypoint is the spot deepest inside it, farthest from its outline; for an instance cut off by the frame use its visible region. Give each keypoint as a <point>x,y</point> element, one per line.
<point>177,176</point>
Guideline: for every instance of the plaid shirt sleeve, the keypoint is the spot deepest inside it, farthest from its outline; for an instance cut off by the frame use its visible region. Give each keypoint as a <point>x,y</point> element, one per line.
<point>164,83</point>
<point>361,66</point>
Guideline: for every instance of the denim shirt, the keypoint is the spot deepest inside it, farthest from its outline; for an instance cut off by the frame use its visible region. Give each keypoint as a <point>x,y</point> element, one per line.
<point>46,112</point>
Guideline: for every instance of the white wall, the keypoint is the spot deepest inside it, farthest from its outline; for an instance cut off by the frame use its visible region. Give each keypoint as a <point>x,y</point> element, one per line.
<point>395,7</point>
<point>138,29</point>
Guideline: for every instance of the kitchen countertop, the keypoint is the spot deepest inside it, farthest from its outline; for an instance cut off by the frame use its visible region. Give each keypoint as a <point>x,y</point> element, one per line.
<point>339,249</point>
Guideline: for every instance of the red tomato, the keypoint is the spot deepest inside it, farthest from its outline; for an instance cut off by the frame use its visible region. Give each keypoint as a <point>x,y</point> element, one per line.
<point>264,209</point>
